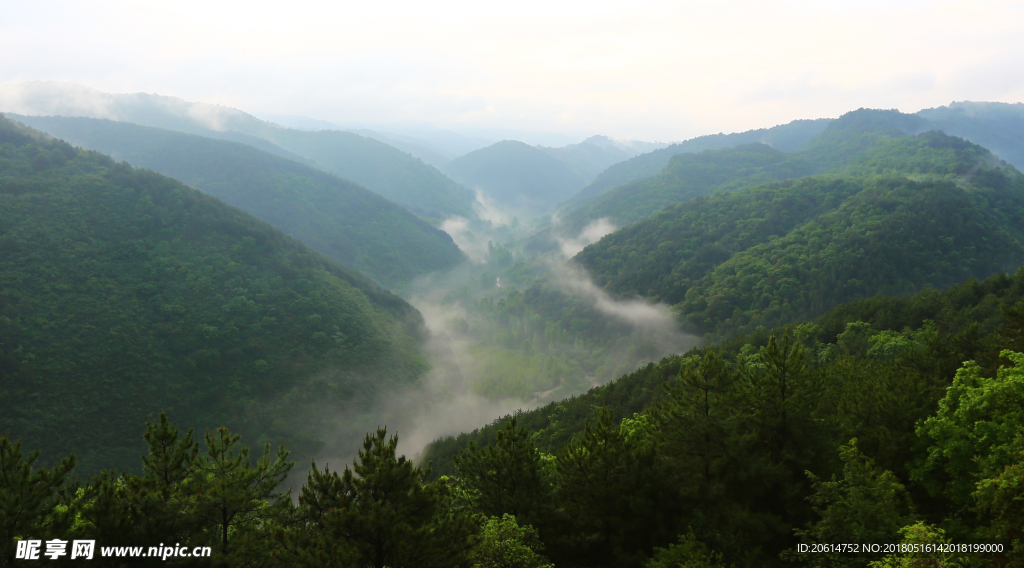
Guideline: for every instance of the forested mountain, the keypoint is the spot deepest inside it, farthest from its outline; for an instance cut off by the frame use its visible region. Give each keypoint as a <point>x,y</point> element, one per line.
<point>373,164</point>
<point>786,137</point>
<point>903,213</point>
<point>996,126</point>
<point>690,175</point>
<point>517,175</point>
<point>124,293</point>
<point>864,425</point>
<point>595,154</point>
<point>379,167</point>
<point>687,176</point>
<point>336,217</point>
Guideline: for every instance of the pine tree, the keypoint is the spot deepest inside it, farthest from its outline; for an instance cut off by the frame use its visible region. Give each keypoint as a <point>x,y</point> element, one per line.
<point>238,503</point>
<point>379,513</point>
<point>617,494</point>
<point>29,498</point>
<point>507,476</point>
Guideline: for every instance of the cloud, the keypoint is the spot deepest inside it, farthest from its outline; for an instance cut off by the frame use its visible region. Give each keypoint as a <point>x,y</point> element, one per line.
<point>571,246</point>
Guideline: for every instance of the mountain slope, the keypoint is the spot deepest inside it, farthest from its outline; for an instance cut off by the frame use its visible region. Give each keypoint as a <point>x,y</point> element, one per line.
<point>909,212</point>
<point>380,168</point>
<point>691,175</point>
<point>687,176</point>
<point>996,126</point>
<point>786,137</point>
<point>124,293</point>
<point>336,217</point>
<point>594,155</point>
<point>517,175</point>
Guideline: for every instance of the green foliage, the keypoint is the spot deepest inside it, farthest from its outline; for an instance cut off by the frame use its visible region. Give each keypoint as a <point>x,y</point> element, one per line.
<point>30,498</point>
<point>975,429</point>
<point>379,513</point>
<point>1000,498</point>
<point>920,539</point>
<point>688,553</point>
<point>507,476</point>
<point>616,493</point>
<point>750,445</point>
<point>238,500</point>
<point>335,217</point>
<point>505,544</point>
<point>866,506</point>
<point>123,293</point>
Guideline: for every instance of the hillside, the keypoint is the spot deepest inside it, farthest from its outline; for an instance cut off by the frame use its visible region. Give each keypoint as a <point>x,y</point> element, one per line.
<point>904,213</point>
<point>786,137</point>
<point>996,126</point>
<point>517,176</point>
<point>830,429</point>
<point>124,293</point>
<point>687,176</point>
<point>375,165</point>
<point>595,154</point>
<point>335,217</point>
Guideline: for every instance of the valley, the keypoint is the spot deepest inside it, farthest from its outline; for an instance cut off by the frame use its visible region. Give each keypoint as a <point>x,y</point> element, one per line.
<point>700,353</point>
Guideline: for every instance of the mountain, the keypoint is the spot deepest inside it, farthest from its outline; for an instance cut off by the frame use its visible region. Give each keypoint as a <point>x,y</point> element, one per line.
<point>124,293</point>
<point>690,175</point>
<point>996,126</point>
<point>687,176</point>
<point>595,154</point>
<point>901,213</point>
<point>518,176</point>
<point>335,217</point>
<point>786,137</point>
<point>375,165</point>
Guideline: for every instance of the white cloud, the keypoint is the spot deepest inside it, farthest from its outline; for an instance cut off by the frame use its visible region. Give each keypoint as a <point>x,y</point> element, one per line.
<point>655,70</point>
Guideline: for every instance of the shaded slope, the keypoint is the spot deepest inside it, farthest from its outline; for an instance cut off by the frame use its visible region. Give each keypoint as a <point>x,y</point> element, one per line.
<point>124,293</point>
<point>336,217</point>
<point>996,126</point>
<point>912,212</point>
<point>380,168</point>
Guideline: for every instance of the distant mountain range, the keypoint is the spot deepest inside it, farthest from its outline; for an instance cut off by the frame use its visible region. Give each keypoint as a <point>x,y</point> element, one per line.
<point>375,165</point>
<point>533,179</point>
<point>334,216</point>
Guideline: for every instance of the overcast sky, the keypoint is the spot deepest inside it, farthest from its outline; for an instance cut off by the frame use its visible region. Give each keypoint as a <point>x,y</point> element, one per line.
<point>649,70</point>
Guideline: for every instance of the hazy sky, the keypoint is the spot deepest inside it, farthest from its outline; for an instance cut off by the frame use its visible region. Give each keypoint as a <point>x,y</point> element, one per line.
<point>651,70</point>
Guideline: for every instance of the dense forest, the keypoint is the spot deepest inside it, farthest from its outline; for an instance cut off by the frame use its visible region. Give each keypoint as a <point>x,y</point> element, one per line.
<point>904,213</point>
<point>865,426</point>
<point>338,218</point>
<point>857,427</point>
<point>123,293</point>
